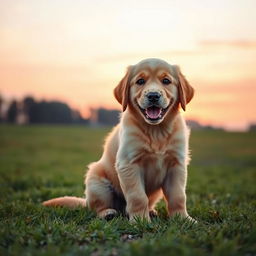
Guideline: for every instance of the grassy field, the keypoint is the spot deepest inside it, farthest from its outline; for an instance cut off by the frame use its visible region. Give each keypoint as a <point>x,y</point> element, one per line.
<point>41,162</point>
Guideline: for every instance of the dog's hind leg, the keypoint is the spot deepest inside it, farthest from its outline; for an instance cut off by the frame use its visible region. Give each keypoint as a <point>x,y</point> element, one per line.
<point>99,192</point>
<point>153,199</point>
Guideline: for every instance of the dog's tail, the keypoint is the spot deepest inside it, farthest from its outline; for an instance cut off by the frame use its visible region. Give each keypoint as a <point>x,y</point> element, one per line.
<point>67,201</point>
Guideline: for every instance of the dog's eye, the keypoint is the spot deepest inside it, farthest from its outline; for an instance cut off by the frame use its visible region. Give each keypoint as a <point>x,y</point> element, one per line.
<point>141,81</point>
<point>166,81</point>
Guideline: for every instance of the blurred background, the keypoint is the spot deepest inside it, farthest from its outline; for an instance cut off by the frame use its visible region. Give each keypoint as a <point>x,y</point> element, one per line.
<point>61,59</point>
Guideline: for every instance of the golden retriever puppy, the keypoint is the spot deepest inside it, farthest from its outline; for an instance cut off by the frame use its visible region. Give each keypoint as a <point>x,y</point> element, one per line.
<point>145,157</point>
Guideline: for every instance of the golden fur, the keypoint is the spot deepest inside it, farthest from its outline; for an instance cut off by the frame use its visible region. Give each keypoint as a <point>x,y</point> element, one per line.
<point>144,158</point>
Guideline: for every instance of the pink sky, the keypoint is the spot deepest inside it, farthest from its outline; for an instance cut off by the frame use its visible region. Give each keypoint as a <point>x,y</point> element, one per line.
<point>77,51</point>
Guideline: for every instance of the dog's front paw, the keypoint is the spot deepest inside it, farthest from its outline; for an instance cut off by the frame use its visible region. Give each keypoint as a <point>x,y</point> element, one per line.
<point>185,216</point>
<point>192,220</point>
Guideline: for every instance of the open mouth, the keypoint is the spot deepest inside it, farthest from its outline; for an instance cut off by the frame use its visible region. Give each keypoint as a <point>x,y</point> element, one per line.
<point>154,113</point>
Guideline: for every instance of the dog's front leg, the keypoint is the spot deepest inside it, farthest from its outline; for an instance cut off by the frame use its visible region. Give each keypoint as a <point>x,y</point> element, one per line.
<point>174,190</point>
<point>133,189</point>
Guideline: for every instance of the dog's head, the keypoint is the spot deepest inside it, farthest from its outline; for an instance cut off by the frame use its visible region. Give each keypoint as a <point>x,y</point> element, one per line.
<point>153,87</point>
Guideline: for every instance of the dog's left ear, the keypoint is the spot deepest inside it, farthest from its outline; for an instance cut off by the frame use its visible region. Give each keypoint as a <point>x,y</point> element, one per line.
<point>121,92</point>
<point>186,91</point>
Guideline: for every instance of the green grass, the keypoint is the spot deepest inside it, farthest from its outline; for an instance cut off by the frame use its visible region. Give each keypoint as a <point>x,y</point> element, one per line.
<point>41,162</point>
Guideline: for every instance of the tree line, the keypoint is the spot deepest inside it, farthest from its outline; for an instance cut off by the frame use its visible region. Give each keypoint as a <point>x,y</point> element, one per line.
<point>31,111</point>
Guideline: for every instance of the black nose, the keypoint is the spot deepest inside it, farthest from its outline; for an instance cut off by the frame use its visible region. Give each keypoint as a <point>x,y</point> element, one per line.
<point>153,97</point>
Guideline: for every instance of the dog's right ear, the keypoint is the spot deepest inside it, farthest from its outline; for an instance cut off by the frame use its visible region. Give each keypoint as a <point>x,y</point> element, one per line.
<point>186,91</point>
<point>121,92</point>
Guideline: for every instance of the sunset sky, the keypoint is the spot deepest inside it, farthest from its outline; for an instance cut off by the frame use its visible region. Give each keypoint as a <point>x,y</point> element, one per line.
<point>77,51</point>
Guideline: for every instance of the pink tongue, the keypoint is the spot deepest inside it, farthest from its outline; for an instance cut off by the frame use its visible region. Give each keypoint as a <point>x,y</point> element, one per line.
<point>153,112</point>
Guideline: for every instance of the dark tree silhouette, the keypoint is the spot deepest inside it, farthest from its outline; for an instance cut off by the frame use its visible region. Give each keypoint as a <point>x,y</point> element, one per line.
<point>55,112</point>
<point>108,117</point>
<point>12,112</point>
<point>1,104</point>
<point>47,112</point>
<point>28,107</point>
